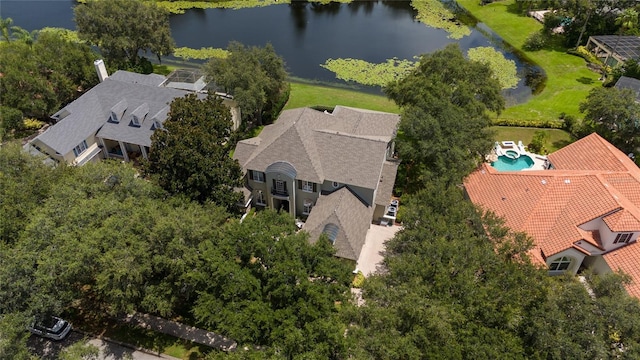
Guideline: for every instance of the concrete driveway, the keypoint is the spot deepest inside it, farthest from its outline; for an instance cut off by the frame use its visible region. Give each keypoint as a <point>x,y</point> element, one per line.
<point>371,254</point>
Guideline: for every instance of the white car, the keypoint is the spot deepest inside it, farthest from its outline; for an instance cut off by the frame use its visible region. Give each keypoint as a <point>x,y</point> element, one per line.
<point>51,327</point>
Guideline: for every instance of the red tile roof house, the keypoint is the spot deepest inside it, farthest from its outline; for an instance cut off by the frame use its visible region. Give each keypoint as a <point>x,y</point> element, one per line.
<point>584,212</point>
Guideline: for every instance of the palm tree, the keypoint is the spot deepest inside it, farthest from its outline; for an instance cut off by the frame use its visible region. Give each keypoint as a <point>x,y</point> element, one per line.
<point>5,28</point>
<point>24,35</point>
<point>628,19</point>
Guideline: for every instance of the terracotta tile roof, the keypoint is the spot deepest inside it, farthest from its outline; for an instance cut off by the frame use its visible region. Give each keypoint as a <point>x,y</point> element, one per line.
<point>622,220</point>
<point>626,259</point>
<point>549,208</point>
<point>590,179</point>
<point>591,153</point>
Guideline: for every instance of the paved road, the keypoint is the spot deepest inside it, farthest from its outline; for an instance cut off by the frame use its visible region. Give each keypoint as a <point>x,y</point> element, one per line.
<point>49,350</point>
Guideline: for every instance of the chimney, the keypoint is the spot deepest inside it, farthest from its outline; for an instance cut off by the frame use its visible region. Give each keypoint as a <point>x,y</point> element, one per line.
<point>101,69</point>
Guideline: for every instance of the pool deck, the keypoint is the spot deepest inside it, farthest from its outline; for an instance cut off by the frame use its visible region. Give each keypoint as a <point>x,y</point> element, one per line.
<point>500,149</point>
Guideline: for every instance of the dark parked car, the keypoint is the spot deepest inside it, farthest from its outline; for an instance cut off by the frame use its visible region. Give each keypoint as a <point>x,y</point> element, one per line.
<point>51,327</point>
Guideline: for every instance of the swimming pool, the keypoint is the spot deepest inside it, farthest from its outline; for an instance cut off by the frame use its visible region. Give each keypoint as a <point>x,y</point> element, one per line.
<point>505,163</point>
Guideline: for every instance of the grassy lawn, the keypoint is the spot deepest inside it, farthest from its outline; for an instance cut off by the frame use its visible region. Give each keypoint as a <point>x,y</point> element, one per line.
<point>568,81</point>
<point>557,138</point>
<point>312,95</point>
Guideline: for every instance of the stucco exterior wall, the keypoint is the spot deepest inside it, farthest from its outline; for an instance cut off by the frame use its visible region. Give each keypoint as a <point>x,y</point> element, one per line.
<point>576,260</point>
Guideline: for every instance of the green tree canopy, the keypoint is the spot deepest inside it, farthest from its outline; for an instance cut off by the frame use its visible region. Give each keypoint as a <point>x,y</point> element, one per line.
<point>254,76</point>
<point>123,28</point>
<point>444,127</point>
<point>615,115</point>
<point>190,154</point>
<point>39,79</point>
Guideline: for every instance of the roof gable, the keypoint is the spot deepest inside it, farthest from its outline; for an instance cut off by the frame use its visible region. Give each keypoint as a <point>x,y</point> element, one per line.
<point>352,217</point>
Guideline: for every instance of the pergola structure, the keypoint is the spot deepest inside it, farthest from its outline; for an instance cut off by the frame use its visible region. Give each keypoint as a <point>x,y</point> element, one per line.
<point>613,49</point>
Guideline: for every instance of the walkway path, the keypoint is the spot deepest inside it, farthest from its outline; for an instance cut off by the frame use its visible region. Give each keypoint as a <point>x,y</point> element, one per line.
<point>182,331</point>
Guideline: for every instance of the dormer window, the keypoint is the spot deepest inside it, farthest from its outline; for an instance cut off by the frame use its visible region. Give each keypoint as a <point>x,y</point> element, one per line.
<point>117,111</point>
<point>623,238</point>
<point>157,124</point>
<point>138,115</point>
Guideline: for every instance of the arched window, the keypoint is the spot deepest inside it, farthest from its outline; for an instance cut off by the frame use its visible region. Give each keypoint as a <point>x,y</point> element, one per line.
<point>332,232</point>
<point>560,264</point>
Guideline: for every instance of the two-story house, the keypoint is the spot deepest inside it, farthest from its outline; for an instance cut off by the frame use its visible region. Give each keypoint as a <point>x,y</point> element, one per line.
<point>583,212</point>
<point>116,118</point>
<point>335,171</point>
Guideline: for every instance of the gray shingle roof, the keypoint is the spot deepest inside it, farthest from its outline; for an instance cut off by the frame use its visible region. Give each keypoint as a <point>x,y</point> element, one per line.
<point>347,146</point>
<point>90,113</point>
<point>351,216</point>
<point>135,78</point>
<point>387,180</point>
<point>632,84</point>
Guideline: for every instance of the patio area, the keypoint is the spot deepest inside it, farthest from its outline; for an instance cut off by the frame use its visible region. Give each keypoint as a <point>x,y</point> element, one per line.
<point>371,254</point>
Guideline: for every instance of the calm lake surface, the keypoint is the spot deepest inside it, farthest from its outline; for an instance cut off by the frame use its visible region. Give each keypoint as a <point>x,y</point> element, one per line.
<point>304,34</point>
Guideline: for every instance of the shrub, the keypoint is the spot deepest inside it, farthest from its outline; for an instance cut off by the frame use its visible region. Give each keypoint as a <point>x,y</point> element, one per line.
<point>535,42</point>
<point>32,124</point>
<point>537,123</point>
<point>10,118</point>
<point>584,53</point>
<point>358,280</point>
<point>539,142</point>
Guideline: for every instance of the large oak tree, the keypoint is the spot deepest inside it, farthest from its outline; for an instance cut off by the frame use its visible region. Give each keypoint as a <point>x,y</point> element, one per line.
<point>255,76</point>
<point>123,28</point>
<point>444,129</point>
<point>190,154</point>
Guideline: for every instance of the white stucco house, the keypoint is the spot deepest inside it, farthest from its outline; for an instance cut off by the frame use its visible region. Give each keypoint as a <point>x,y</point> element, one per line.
<point>582,212</point>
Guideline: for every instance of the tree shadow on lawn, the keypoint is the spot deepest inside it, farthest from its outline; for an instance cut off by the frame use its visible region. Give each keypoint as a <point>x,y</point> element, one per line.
<point>516,8</point>
<point>585,80</point>
<point>561,143</point>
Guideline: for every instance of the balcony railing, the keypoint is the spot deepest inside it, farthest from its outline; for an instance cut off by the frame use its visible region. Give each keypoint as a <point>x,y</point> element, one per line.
<point>279,193</point>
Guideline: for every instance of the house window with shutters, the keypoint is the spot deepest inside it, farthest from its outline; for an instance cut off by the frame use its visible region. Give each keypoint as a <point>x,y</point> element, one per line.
<point>306,186</point>
<point>257,176</point>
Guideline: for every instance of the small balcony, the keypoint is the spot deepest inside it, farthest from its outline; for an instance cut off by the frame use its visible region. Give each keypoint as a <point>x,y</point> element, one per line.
<point>280,193</point>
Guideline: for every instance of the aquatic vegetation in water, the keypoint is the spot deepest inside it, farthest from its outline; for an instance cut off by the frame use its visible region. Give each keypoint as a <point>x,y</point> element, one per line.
<point>179,7</point>
<point>366,73</point>
<point>504,70</point>
<point>200,54</point>
<point>435,14</point>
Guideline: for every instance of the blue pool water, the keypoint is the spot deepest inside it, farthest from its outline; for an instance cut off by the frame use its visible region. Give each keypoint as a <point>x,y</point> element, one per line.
<point>506,164</point>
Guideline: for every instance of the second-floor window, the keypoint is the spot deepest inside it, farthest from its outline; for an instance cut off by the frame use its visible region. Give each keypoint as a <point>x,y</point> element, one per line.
<point>80,148</point>
<point>256,176</point>
<point>623,238</point>
<point>307,186</point>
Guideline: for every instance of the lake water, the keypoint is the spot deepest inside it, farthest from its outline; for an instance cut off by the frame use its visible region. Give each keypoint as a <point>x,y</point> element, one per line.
<point>304,34</point>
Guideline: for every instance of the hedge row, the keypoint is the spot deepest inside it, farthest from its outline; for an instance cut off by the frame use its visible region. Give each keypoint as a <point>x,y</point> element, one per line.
<point>536,123</point>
